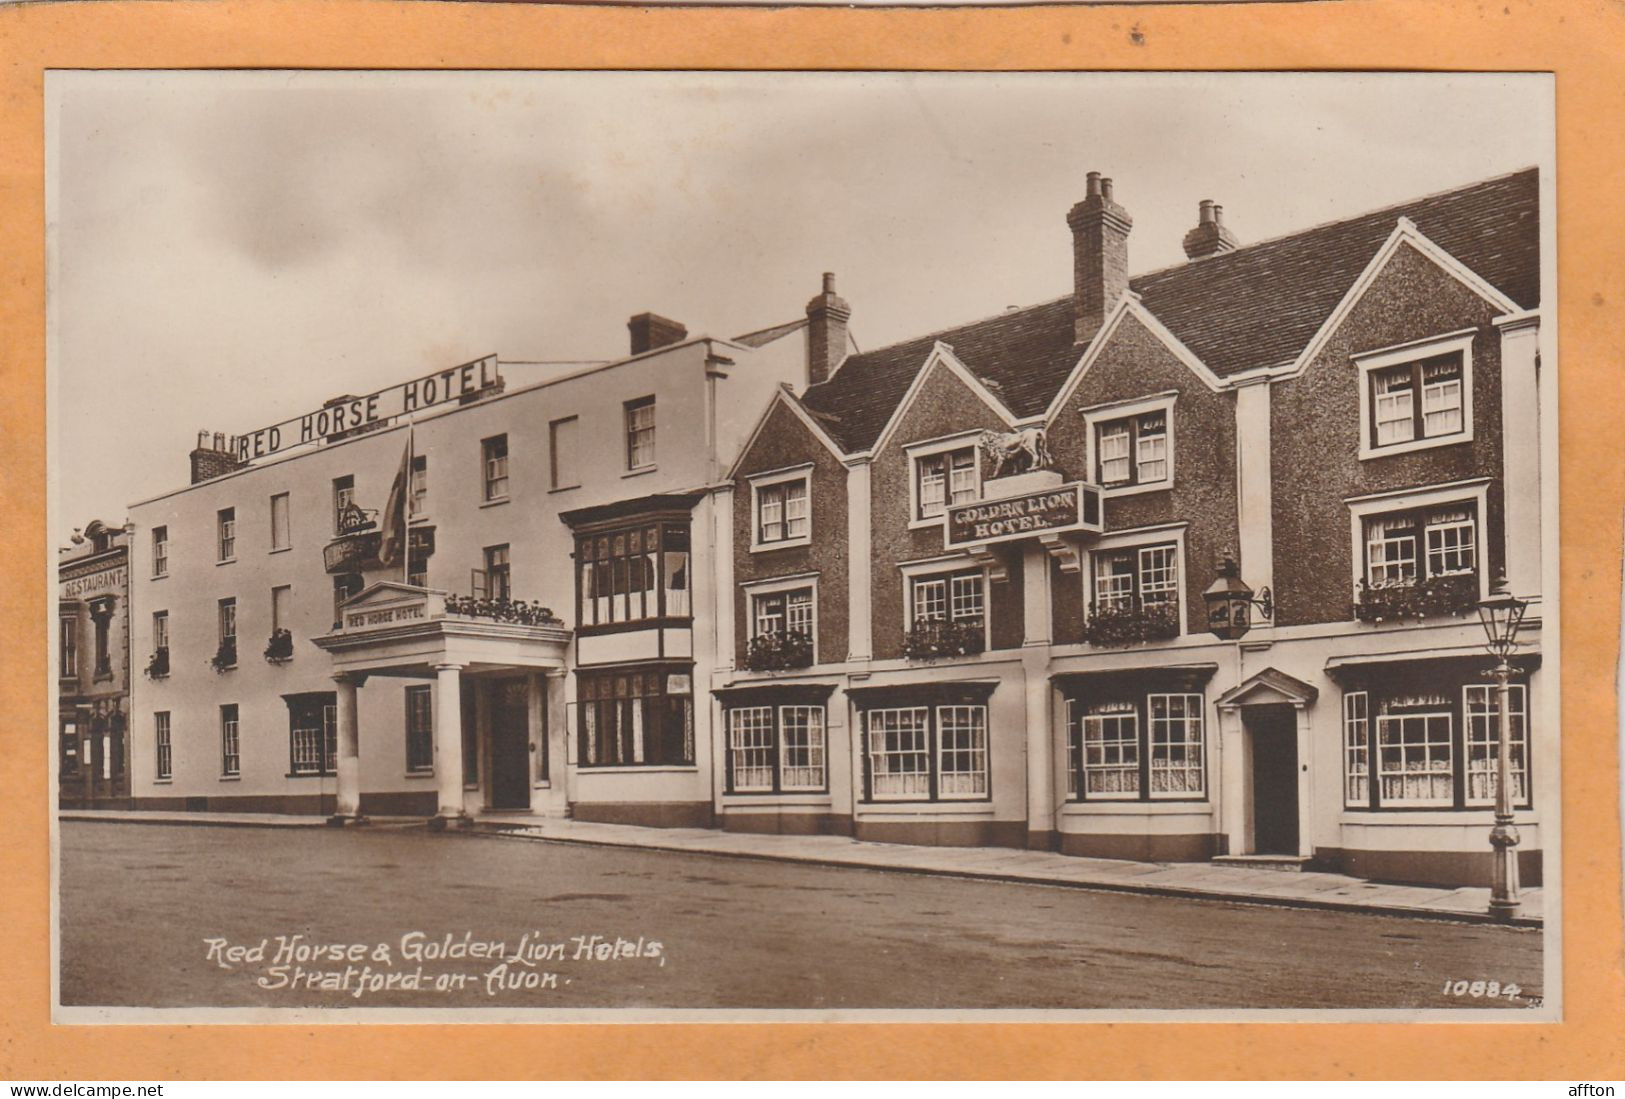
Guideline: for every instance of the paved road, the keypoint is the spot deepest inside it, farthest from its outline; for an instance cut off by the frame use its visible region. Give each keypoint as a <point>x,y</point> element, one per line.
<point>141,902</point>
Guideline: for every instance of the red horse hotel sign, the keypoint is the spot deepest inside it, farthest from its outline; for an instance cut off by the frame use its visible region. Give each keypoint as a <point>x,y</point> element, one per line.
<point>1065,507</point>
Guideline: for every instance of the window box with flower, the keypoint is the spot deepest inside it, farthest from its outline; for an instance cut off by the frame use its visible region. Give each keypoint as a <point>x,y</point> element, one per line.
<point>518,611</point>
<point>780,650</point>
<point>931,638</point>
<point>279,650</point>
<point>1121,626</point>
<point>225,657</point>
<point>158,663</point>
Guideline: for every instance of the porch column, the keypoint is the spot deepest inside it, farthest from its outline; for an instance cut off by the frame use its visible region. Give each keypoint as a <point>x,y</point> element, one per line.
<point>448,742</point>
<point>348,807</point>
<point>1233,808</point>
<point>1306,816</point>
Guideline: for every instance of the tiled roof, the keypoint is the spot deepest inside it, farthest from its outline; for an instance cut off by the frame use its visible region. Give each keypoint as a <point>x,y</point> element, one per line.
<point>1256,306</point>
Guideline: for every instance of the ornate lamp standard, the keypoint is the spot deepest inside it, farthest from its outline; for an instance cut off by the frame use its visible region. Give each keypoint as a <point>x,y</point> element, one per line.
<point>1502,614</point>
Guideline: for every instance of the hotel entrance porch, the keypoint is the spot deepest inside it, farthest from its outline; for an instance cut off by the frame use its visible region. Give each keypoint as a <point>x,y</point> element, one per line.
<point>497,698</point>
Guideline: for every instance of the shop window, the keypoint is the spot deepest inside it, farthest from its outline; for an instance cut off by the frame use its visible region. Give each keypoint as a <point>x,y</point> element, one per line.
<point>231,760</point>
<point>69,747</point>
<point>944,480</point>
<point>640,433</point>
<point>419,729</point>
<point>164,752</point>
<point>494,462</point>
<point>926,753</point>
<point>1431,748</point>
<point>635,574</point>
<point>160,551</point>
<point>313,734</point>
<point>1139,748</point>
<point>772,749</point>
<point>226,531</point>
<point>635,718</point>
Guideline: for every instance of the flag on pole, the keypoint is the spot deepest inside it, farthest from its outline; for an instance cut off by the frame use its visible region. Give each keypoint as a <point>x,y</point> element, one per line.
<point>392,545</point>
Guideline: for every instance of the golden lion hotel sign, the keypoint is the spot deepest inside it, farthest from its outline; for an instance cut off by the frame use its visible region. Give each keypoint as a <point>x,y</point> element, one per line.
<point>426,392</point>
<point>1066,507</point>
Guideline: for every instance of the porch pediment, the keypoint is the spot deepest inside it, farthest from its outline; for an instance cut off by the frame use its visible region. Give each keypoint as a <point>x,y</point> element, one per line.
<point>1269,687</point>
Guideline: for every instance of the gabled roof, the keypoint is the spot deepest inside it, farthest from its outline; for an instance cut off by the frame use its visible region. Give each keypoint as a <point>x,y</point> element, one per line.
<point>1257,306</point>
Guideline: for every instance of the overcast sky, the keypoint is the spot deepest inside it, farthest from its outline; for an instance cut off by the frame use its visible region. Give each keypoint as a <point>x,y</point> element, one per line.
<point>230,249</point>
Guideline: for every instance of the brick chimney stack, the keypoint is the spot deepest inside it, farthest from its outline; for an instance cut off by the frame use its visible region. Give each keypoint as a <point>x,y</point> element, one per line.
<point>213,456</point>
<point>1100,231</point>
<point>1210,237</point>
<point>650,330</point>
<point>827,315</point>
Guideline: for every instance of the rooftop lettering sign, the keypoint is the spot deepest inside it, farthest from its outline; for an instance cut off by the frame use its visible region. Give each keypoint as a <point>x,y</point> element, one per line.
<point>1065,507</point>
<point>416,395</point>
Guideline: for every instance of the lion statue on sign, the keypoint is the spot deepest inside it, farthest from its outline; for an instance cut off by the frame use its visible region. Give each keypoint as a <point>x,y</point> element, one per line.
<point>1023,451</point>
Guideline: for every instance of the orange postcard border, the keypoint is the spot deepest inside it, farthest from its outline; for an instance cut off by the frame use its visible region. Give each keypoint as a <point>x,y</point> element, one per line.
<point>1578,40</point>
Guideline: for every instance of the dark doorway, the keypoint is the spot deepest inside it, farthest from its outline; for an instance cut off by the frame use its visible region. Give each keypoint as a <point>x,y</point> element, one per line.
<point>510,745</point>
<point>1274,733</point>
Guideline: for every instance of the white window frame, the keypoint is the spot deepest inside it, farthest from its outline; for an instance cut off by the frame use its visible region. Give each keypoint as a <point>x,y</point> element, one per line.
<point>1097,415</point>
<point>925,570</point>
<point>225,533</point>
<point>930,449</point>
<point>1448,773</point>
<point>163,746</point>
<point>1520,740</point>
<point>773,479</point>
<point>1361,508</point>
<point>160,629</point>
<point>231,742</point>
<point>278,614</point>
<point>631,433</point>
<point>1137,539</point>
<point>160,552</point>
<point>489,479</point>
<point>1199,716</point>
<point>777,586</point>
<point>776,748</point>
<point>561,464</point>
<point>1357,727</point>
<point>1368,362</point>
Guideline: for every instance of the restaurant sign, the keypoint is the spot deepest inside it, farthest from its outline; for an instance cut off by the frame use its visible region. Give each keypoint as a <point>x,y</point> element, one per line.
<point>417,395</point>
<point>1065,507</point>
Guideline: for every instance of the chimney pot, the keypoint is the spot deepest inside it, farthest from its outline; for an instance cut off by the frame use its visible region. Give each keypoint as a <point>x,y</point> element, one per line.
<point>1210,237</point>
<point>827,315</point>
<point>1100,229</point>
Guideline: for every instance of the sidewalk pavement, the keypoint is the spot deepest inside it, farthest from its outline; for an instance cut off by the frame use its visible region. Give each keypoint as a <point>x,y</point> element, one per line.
<point>1199,880</point>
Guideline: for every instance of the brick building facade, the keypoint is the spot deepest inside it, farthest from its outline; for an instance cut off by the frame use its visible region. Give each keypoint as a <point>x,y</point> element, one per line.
<point>1352,414</point>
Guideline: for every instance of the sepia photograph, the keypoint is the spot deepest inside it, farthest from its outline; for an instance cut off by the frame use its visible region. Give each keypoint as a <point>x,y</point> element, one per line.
<point>655,546</point>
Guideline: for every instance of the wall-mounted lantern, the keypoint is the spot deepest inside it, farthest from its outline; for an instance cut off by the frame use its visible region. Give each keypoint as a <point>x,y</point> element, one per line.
<point>1230,603</point>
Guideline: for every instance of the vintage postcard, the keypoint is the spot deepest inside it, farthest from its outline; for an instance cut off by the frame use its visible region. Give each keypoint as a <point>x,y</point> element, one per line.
<point>801,546</point>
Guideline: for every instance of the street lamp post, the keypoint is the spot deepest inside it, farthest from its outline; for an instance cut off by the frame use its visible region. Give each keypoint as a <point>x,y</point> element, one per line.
<point>1502,614</point>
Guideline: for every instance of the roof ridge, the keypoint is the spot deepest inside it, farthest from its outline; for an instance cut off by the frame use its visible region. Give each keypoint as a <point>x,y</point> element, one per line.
<point>1393,206</point>
<point>936,336</point>
<point>769,328</point>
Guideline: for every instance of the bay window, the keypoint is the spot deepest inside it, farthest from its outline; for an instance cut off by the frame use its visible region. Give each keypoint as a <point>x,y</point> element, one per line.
<point>925,743</point>
<point>1135,747</point>
<point>633,574</point>
<point>637,717</point>
<point>1430,746</point>
<point>775,748</point>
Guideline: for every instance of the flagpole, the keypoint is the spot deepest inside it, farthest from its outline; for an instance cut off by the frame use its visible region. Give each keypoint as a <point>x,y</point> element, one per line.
<point>406,535</point>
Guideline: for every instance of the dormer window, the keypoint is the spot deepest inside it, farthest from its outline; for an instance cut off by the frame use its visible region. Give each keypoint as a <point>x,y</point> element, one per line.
<point>1416,396</point>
